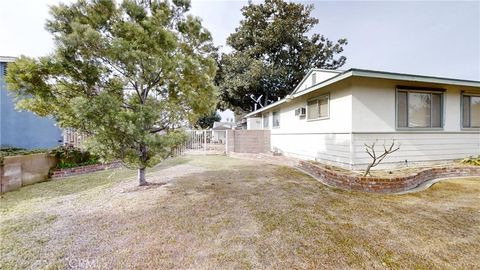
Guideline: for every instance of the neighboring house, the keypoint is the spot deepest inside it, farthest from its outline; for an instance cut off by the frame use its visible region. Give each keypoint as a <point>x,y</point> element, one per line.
<point>219,134</point>
<point>23,129</point>
<point>330,115</point>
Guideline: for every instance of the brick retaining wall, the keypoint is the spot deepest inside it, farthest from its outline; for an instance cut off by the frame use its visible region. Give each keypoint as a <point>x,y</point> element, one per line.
<point>385,185</point>
<point>84,169</point>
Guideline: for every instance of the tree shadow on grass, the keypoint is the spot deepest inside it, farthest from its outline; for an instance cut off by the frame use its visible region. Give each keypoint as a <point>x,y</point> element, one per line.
<point>81,183</point>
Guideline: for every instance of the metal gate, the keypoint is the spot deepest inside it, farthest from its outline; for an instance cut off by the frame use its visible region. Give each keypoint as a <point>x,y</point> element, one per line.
<point>204,142</point>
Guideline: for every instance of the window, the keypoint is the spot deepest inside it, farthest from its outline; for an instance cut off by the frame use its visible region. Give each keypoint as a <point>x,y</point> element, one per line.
<point>265,121</point>
<point>317,108</point>
<point>471,111</point>
<point>314,78</point>
<point>4,69</point>
<point>276,119</point>
<point>419,109</point>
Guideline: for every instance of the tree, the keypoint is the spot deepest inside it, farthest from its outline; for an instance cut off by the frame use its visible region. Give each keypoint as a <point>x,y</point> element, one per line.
<point>271,52</point>
<point>376,159</point>
<point>207,121</point>
<point>129,75</point>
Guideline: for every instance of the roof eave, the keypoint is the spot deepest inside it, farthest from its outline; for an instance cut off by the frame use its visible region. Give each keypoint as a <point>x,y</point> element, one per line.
<point>413,78</point>
<point>7,59</point>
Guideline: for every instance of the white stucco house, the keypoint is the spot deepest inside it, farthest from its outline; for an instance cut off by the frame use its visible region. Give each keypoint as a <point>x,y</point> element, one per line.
<point>331,114</point>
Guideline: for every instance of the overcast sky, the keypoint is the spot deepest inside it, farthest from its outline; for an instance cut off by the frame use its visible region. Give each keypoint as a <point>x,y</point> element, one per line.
<point>422,37</point>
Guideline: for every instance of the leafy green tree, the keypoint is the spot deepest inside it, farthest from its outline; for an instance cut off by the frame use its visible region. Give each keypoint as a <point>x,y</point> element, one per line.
<point>207,121</point>
<point>271,52</point>
<point>129,75</point>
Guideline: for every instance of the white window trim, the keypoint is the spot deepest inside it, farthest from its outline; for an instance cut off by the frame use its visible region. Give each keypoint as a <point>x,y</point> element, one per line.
<point>442,108</point>
<point>461,109</point>
<point>317,98</point>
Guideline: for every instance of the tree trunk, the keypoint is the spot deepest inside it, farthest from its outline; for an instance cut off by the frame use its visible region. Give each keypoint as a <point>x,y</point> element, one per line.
<point>141,171</point>
<point>367,171</point>
<point>141,177</point>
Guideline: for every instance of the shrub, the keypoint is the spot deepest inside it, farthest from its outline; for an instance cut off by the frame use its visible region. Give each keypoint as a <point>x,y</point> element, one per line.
<point>69,157</point>
<point>14,151</point>
<point>472,160</point>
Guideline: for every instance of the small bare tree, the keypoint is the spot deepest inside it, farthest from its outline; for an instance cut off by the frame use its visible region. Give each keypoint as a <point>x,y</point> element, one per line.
<point>370,149</point>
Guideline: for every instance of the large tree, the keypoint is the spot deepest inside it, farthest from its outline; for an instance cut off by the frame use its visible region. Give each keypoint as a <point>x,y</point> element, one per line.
<point>207,121</point>
<point>272,50</point>
<point>129,75</point>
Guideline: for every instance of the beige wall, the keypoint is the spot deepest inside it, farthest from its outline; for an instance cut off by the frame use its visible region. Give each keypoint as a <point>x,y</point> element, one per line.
<point>327,140</point>
<point>254,123</point>
<point>340,113</point>
<point>362,110</point>
<point>373,119</point>
<point>373,104</point>
<point>18,171</point>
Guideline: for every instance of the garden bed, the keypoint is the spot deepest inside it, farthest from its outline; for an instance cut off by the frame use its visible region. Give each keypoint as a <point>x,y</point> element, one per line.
<point>391,181</point>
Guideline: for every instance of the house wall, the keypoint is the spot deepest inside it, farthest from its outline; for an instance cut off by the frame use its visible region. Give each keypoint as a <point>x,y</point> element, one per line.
<point>24,129</point>
<point>374,118</point>
<point>362,110</point>
<point>327,140</point>
<point>254,123</point>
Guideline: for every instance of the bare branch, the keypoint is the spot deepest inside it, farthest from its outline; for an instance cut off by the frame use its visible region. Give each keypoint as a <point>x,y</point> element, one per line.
<point>370,149</point>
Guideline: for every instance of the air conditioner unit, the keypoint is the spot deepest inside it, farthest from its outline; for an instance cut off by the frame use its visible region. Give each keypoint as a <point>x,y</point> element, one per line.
<point>300,112</point>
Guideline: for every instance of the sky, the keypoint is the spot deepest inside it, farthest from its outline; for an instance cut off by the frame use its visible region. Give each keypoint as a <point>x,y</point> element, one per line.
<point>437,38</point>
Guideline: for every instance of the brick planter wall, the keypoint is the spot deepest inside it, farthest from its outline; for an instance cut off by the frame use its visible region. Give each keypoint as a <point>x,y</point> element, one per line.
<point>385,185</point>
<point>84,169</point>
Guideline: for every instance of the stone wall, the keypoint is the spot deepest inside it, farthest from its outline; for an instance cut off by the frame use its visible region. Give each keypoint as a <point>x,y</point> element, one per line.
<point>385,185</point>
<point>18,171</point>
<point>248,141</point>
<point>84,169</point>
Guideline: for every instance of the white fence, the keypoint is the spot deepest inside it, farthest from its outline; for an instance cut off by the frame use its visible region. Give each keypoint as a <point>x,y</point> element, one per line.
<point>199,142</point>
<point>204,142</point>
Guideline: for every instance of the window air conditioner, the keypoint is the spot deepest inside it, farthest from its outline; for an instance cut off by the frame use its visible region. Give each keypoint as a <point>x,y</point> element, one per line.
<point>300,112</point>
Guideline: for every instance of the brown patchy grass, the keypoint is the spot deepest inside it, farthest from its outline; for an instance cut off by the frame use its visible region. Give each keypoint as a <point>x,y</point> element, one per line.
<point>217,212</point>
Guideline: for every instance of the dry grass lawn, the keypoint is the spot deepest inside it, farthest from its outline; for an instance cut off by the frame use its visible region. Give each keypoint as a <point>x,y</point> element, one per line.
<point>217,212</point>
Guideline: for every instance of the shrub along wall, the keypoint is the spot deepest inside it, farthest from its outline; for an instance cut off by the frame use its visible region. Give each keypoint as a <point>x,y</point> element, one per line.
<point>385,184</point>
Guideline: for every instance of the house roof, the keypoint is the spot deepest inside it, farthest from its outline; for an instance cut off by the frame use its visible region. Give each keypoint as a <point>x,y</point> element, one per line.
<point>223,125</point>
<point>7,59</point>
<point>313,70</point>
<point>342,75</point>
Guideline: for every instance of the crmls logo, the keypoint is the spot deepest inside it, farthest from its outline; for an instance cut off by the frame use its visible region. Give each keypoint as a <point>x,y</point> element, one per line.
<point>74,263</point>
<point>69,263</point>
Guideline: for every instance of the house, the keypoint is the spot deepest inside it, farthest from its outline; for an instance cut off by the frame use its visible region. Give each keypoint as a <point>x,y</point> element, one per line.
<point>331,115</point>
<point>23,129</point>
<point>219,128</point>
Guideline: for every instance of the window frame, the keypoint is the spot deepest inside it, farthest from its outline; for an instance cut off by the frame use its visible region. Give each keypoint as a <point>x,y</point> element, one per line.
<point>273,119</point>
<point>327,95</point>
<point>468,94</point>
<point>421,90</point>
